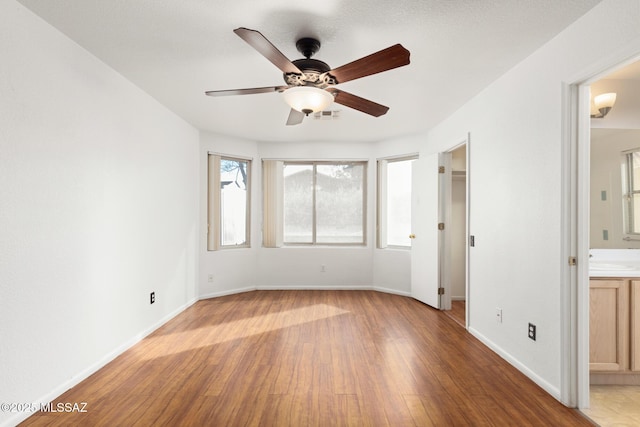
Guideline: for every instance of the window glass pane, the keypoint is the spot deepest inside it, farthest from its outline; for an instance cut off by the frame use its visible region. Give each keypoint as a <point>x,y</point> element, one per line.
<point>631,189</point>
<point>635,209</point>
<point>635,185</point>
<point>298,203</point>
<point>339,203</point>
<point>233,202</point>
<point>399,203</point>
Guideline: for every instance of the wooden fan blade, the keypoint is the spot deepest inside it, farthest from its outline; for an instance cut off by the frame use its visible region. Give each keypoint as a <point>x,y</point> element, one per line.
<point>384,60</point>
<point>267,49</point>
<point>358,103</point>
<point>249,91</point>
<point>295,117</point>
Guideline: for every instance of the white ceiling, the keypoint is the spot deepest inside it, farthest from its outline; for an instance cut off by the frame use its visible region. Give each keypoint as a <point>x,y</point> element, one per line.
<point>175,50</point>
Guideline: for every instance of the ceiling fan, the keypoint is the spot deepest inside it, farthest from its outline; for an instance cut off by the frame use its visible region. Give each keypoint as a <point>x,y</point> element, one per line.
<point>309,82</point>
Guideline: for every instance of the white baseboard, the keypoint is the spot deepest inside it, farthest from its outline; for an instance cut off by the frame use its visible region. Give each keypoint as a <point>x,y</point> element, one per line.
<point>314,288</point>
<point>549,388</point>
<point>392,291</point>
<point>228,292</point>
<point>306,287</point>
<point>86,373</point>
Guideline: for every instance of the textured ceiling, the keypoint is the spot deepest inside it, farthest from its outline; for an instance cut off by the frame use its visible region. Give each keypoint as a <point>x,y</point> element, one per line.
<point>177,49</point>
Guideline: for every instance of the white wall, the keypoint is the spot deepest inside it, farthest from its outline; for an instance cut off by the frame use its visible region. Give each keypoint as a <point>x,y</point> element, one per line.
<point>99,191</point>
<point>607,146</point>
<point>515,198</point>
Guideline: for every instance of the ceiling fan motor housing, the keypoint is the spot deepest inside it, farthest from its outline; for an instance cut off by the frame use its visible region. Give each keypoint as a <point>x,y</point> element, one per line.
<point>312,69</point>
<point>314,73</point>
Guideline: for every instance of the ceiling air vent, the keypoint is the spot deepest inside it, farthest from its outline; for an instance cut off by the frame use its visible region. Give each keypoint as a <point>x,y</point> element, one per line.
<point>326,115</point>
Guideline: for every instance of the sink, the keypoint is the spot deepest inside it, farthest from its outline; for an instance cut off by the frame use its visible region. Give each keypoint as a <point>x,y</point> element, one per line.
<point>609,266</point>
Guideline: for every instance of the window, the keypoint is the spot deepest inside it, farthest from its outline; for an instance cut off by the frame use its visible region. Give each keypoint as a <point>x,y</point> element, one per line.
<point>394,202</point>
<point>229,183</point>
<point>631,191</point>
<point>324,202</point>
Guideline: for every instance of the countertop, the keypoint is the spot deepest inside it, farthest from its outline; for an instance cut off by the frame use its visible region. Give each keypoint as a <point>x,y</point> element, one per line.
<point>614,263</point>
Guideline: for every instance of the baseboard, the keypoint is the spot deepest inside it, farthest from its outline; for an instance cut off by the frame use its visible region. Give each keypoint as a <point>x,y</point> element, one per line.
<point>314,288</point>
<point>392,291</point>
<point>306,287</point>
<point>227,292</point>
<point>614,378</point>
<point>86,373</point>
<point>549,388</point>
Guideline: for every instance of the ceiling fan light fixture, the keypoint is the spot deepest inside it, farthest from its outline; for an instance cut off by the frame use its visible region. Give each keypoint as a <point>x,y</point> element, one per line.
<point>307,99</point>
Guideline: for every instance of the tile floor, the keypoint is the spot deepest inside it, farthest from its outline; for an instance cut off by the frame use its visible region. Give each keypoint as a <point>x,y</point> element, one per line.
<point>615,405</point>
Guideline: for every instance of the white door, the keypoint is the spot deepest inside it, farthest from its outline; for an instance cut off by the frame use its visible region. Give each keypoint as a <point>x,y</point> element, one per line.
<point>425,262</point>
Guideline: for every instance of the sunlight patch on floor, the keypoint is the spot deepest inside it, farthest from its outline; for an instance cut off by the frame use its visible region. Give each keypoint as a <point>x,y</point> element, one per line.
<point>157,346</point>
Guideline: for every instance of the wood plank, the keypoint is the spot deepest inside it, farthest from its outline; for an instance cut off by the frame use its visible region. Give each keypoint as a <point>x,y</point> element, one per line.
<point>316,358</point>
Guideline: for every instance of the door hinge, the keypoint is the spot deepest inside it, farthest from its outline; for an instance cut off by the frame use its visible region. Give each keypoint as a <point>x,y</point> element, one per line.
<point>573,261</point>
<point>441,226</point>
<point>440,169</point>
<point>440,291</point>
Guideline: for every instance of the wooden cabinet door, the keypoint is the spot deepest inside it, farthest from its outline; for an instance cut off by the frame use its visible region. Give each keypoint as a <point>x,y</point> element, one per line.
<point>635,325</point>
<point>608,325</point>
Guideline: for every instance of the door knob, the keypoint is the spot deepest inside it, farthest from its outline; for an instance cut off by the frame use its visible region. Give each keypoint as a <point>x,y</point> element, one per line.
<point>412,236</point>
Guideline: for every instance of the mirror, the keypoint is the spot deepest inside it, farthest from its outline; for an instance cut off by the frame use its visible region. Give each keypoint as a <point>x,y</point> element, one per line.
<point>611,136</point>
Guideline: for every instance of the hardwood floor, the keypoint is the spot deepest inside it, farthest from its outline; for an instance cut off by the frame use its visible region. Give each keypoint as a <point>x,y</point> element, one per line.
<point>457,312</point>
<point>310,358</point>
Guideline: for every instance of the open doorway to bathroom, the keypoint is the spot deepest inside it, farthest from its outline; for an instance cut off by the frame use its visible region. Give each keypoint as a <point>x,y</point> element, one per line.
<point>614,284</point>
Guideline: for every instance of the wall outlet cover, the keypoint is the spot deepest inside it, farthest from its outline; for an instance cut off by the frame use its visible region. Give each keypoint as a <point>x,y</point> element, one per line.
<point>532,331</point>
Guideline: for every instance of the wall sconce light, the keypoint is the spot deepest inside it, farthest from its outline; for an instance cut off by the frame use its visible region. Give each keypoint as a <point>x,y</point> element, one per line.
<point>602,104</point>
<point>307,99</point>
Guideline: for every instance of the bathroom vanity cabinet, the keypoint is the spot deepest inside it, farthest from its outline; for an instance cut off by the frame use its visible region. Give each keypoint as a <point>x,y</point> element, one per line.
<point>635,326</point>
<point>614,330</point>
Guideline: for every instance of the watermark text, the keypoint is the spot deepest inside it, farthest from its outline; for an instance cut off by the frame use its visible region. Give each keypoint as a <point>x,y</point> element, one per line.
<point>43,407</point>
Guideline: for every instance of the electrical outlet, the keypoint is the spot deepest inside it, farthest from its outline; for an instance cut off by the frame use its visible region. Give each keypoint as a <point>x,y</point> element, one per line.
<point>499,315</point>
<point>152,298</point>
<point>210,278</point>
<point>532,331</point>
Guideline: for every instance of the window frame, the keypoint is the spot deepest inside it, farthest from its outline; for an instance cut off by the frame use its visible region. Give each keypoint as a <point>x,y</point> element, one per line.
<point>628,191</point>
<point>382,199</point>
<point>214,205</point>
<point>315,164</point>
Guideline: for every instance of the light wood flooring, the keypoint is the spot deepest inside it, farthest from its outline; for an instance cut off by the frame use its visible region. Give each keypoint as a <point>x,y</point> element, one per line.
<point>614,405</point>
<point>310,358</point>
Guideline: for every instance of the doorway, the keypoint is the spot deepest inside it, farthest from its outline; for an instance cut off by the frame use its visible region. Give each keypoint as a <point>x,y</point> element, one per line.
<point>434,236</point>
<point>600,218</point>
<point>457,232</point>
